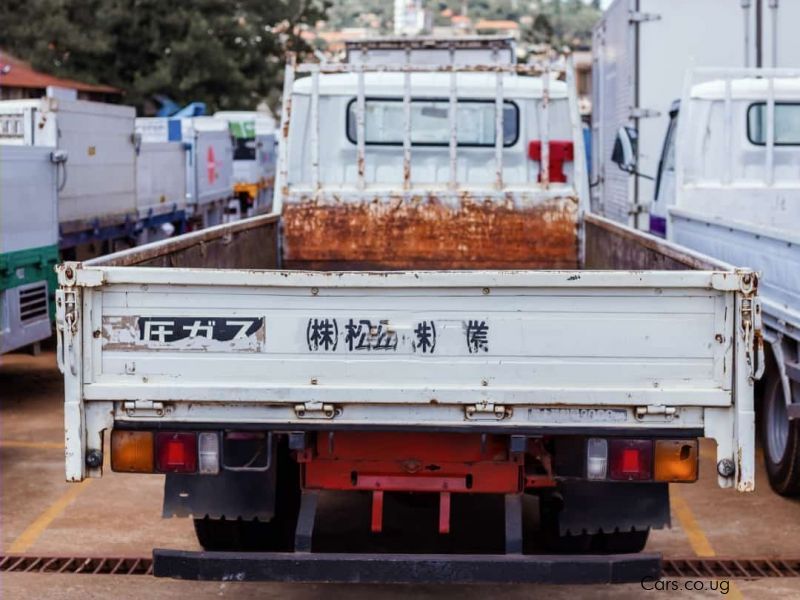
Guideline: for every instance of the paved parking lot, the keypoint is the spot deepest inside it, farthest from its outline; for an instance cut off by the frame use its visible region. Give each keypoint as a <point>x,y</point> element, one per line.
<point>120,515</point>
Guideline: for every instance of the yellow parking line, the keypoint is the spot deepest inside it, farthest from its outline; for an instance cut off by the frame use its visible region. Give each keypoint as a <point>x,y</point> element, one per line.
<point>32,533</point>
<point>26,444</point>
<point>697,538</point>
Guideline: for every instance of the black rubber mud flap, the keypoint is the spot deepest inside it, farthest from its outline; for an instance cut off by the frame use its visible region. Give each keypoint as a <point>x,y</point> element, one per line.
<point>232,494</point>
<point>593,507</point>
<point>311,567</point>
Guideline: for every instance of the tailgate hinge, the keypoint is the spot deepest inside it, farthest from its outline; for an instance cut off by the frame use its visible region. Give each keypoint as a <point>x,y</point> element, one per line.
<point>145,408</point>
<point>655,412</point>
<point>636,16</point>
<point>315,410</point>
<point>66,329</point>
<point>487,411</point>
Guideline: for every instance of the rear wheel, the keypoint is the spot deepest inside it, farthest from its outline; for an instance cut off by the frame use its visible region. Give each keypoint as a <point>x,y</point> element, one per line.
<point>781,439</point>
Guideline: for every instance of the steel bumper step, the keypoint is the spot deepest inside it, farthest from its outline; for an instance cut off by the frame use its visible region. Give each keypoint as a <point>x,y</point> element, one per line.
<point>404,568</point>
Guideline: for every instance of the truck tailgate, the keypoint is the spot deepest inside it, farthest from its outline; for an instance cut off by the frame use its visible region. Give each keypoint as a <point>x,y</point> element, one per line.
<point>516,349</point>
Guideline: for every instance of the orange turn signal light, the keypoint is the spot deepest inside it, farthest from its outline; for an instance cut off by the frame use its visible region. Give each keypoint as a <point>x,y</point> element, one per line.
<point>676,460</point>
<point>132,451</point>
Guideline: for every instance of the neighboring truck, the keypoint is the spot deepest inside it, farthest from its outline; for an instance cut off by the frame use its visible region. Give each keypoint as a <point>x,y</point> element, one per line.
<point>254,158</point>
<point>160,189</point>
<point>97,178</point>
<point>728,185</point>
<point>28,245</point>
<point>642,50</point>
<point>430,312</point>
<point>208,169</point>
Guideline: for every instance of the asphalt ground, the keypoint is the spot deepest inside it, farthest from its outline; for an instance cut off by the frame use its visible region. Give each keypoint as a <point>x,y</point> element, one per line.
<point>121,515</point>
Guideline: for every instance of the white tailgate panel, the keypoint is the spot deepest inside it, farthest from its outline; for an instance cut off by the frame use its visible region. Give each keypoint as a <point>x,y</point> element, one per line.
<point>409,345</point>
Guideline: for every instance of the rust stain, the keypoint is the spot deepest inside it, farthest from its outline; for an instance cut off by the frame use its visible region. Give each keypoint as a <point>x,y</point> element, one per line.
<point>288,109</point>
<point>426,233</point>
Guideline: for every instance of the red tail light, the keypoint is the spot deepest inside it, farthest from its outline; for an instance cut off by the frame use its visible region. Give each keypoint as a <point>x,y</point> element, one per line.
<point>176,452</point>
<point>561,151</point>
<point>630,460</point>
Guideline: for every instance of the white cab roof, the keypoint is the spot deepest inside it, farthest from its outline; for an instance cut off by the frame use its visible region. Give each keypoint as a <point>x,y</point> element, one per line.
<point>470,85</point>
<point>786,88</point>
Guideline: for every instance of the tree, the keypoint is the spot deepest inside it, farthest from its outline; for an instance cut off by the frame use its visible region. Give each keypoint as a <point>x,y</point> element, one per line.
<point>226,53</point>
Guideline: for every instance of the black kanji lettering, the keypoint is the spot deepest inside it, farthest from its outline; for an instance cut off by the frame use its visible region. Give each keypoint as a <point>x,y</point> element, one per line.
<point>425,333</point>
<point>477,336</point>
<point>385,338</point>
<point>322,334</point>
<point>357,334</point>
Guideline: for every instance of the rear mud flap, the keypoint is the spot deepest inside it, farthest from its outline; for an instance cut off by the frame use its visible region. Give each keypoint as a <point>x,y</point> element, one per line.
<point>592,507</point>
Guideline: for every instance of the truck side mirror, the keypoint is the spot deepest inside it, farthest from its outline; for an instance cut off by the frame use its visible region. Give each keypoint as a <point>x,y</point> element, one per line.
<point>624,152</point>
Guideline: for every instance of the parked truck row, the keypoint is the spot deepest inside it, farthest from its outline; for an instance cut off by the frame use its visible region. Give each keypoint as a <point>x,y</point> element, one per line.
<point>431,311</point>
<point>110,180</point>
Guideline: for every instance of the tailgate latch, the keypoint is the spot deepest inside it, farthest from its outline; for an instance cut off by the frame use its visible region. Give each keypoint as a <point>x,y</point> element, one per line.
<point>487,411</point>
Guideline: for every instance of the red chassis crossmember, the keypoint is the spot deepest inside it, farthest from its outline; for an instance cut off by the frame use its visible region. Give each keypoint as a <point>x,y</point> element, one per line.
<point>443,463</point>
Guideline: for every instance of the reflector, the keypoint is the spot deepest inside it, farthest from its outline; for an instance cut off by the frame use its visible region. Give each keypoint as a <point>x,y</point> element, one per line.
<point>131,451</point>
<point>676,460</point>
<point>176,452</point>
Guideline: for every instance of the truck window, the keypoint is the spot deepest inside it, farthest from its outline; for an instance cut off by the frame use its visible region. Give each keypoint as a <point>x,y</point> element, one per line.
<point>668,152</point>
<point>384,122</point>
<point>787,123</point>
<point>244,139</point>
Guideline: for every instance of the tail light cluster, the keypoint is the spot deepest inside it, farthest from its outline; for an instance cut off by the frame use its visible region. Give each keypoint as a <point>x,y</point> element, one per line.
<point>641,460</point>
<point>165,452</point>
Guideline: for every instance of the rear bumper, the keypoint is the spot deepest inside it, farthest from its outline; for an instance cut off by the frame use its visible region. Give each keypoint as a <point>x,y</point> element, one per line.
<point>405,568</point>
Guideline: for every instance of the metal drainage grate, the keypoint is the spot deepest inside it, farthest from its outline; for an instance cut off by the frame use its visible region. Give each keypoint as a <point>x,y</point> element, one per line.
<point>730,568</point>
<point>73,564</point>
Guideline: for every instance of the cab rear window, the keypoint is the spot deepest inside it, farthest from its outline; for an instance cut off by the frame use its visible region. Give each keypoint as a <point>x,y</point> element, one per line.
<point>384,122</point>
<point>787,123</point>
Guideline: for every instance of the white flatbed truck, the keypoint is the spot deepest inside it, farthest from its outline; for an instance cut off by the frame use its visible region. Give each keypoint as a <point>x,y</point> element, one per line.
<point>428,314</point>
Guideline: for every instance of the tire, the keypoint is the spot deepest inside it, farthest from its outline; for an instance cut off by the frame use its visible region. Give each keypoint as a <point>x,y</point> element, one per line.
<point>620,542</point>
<point>781,440</point>
<point>276,535</point>
<point>219,535</point>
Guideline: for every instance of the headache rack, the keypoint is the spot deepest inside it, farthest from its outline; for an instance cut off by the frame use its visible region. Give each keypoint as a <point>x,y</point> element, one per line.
<point>547,71</point>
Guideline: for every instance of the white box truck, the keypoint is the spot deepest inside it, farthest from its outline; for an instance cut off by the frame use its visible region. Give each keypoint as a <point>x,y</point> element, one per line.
<point>432,314</point>
<point>97,181</point>
<point>160,189</point>
<point>208,168</point>
<point>642,50</point>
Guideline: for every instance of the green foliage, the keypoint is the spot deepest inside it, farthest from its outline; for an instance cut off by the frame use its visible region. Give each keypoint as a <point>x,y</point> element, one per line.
<point>226,53</point>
